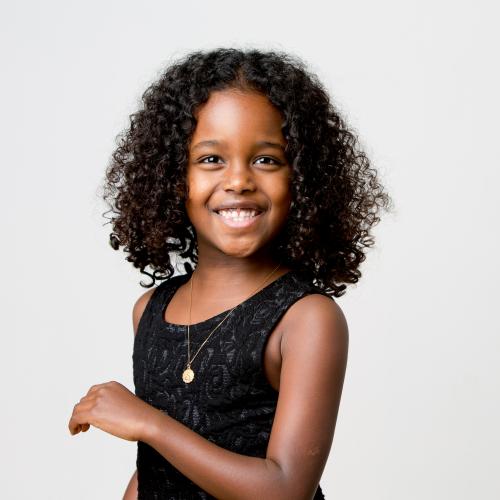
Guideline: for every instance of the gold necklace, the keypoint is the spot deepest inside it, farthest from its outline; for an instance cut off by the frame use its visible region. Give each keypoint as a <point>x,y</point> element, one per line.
<point>188,373</point>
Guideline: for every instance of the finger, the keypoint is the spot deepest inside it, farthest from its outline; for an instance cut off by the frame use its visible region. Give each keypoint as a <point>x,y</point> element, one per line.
<point>75,409</point>
<point>82,404</point>
<point>78,405</point>
<point>96,387</point>
<point>74,427</point>
<point>79,421</point>
<point>89,398</point>
<point>77,425</point>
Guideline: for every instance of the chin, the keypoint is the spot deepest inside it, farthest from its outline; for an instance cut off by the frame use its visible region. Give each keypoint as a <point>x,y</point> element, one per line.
<point>240,251</point>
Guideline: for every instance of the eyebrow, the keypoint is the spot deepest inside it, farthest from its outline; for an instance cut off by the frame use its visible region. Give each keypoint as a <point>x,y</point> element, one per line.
<point>268,144</point>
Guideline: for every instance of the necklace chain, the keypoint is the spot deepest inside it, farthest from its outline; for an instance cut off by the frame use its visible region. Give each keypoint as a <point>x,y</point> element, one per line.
<point>188,374</point>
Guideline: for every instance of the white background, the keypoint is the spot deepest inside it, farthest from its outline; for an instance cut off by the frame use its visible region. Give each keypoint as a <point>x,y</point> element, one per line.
<point>419,81</point>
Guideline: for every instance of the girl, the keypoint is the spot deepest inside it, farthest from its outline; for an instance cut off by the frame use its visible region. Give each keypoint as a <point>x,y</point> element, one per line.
<point>239,167</point>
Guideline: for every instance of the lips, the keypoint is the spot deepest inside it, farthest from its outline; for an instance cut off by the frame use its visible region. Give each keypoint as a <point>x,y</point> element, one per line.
<point>237,213</point>
<point>240,217</point>
<point>238,204</point>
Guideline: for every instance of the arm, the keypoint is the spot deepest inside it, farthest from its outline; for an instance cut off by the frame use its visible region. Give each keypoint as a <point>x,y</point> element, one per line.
<point>314,357</point>
<point>140,305</point>
<point>131,491</point>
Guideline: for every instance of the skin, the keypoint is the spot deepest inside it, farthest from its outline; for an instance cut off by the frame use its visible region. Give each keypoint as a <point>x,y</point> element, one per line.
<point>306,354</point>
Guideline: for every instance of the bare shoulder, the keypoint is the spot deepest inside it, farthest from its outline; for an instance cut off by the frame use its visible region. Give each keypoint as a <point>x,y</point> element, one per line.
<point>314,346</point>
<point>139,306</point>
<point>315,318</point>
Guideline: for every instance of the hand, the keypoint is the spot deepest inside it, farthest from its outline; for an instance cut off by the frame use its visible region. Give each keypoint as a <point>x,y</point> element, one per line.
<point>112,408</point>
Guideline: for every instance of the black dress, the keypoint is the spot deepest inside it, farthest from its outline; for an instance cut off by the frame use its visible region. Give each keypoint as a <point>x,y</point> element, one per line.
<point>229,402</point>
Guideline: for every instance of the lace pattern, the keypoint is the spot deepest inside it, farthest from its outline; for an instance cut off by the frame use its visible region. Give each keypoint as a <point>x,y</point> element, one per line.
<point>229,402</point>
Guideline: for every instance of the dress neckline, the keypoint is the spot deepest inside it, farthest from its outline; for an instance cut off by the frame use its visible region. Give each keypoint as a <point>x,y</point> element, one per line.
<point>185,278</point>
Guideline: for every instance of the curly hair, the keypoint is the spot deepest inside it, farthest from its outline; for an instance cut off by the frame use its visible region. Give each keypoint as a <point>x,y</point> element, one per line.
<point>336,193</point>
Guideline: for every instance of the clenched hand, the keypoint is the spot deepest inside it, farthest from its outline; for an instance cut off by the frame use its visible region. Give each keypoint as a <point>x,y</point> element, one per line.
<point>112,408</point>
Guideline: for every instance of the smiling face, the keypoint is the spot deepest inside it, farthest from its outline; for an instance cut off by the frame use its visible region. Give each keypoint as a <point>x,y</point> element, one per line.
<point>238,175</point>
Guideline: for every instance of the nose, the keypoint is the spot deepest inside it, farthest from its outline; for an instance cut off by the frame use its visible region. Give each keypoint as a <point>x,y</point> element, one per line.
<point>239,177</point>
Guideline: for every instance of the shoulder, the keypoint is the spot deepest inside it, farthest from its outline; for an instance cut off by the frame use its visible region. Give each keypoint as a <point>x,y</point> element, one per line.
<point>316,320</point>
<point>139,306</point>
<point>314,358</point>
<point>143,300</point>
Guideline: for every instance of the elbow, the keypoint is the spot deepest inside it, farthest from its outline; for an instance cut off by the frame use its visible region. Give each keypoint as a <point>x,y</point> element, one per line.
<point>286,485</point>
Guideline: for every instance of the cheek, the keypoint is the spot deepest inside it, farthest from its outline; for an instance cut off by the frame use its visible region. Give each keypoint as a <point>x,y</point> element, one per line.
<point>284,207</point>
<point>197,188</point>
<point>193,193</point>
<point>281,194</point>
<point>281,198</point>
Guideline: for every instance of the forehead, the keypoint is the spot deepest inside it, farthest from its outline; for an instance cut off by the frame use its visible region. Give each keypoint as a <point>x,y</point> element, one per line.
<point>237,113</point>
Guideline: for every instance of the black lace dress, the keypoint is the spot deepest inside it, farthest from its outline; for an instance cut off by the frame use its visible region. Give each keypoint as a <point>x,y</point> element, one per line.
<point>229,402</point>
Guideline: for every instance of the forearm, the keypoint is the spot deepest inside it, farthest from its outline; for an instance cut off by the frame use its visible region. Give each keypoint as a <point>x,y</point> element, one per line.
<point>222,473</point>
<point>131,491</point>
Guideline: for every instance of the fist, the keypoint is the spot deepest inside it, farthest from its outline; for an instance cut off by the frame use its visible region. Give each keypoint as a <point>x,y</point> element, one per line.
<point>112,408</point>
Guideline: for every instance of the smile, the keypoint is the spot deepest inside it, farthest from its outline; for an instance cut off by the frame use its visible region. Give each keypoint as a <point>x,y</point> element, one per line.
<point>240,217</point>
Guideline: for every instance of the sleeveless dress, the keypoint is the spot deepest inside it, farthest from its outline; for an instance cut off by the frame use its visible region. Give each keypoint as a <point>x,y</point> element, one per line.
<point>229,402</point>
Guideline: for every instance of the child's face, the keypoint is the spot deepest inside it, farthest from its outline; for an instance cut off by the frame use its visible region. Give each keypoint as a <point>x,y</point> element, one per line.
<point>236,158</point>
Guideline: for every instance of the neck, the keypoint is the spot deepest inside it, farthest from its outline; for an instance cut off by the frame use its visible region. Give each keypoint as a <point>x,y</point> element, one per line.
<point>226,274</point>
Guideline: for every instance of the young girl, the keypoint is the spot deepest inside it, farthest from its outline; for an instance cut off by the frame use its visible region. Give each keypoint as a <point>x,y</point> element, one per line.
<point>239,167</point>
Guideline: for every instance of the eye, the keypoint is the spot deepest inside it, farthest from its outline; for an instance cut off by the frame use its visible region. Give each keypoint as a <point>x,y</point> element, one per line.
<point>205,160</point>
<point>269,160</point>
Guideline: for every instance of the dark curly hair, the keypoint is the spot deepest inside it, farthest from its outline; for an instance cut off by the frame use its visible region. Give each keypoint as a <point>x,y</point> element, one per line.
<point>336,194</point>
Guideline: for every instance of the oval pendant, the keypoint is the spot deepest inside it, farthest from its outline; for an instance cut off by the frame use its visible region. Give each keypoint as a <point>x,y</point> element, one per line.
<point>188,375</point>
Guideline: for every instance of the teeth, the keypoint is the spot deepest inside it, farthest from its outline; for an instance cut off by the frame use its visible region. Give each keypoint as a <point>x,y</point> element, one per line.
<point>238,214</point>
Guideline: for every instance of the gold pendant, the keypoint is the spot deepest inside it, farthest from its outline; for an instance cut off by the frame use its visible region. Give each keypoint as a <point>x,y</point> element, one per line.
<point>188,375</point>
